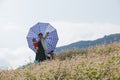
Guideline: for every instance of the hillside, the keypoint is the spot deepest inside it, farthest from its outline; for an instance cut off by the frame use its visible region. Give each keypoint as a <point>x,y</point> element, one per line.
<point>84,44</point>
<point>95,63</point>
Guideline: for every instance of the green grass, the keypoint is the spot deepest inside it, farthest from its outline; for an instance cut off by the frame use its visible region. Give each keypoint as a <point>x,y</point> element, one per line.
<point>95,63</point>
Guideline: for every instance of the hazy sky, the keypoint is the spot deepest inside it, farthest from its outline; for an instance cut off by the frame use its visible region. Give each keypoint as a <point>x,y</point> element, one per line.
<point>74,20</point>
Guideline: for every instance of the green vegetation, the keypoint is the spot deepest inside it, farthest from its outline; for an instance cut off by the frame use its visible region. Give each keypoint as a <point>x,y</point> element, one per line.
<point>95,63</point>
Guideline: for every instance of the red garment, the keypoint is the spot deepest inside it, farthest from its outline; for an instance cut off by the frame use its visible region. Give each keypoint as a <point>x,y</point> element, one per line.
<point>35,44</point>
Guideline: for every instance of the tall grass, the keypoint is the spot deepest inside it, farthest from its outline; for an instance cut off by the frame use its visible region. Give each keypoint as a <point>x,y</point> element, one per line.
<point>95,63</point>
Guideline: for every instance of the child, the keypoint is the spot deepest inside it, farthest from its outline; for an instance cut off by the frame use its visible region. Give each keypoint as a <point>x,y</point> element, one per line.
<point>35,44</point>
<point>52,55</point>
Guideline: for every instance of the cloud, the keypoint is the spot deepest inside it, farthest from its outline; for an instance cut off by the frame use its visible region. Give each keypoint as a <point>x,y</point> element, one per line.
<point>71,32</point>
<point>10,27</point>
<point>12,35</point>
<point>3,64</point>
<point>15,57</point>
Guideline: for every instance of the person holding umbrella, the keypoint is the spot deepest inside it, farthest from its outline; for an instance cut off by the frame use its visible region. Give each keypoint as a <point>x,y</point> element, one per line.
<point>40,55</point>
<point>45,44</point>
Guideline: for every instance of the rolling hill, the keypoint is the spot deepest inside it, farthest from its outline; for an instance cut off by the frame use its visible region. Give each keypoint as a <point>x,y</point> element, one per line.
<point>85,44</point>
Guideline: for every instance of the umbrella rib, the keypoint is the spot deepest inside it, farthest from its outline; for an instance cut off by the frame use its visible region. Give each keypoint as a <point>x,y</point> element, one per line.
<point>50,44</point>
<point>33,31</point>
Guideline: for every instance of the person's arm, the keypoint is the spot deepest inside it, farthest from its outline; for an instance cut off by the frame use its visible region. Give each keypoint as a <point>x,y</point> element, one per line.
<point>46,35</point>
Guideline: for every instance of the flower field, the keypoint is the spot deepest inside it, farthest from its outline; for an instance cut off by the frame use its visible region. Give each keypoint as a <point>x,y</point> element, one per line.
<point>94,63</point>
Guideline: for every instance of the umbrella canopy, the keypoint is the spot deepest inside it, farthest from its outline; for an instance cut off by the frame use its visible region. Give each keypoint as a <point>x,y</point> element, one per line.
<point>51,40</point>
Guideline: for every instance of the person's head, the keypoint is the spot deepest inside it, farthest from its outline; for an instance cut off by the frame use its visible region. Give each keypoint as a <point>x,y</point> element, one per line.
<point>34,40</point>
<point>40,35</point>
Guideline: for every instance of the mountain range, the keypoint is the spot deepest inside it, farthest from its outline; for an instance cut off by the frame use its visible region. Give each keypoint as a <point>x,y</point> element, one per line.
<point>89,43</point>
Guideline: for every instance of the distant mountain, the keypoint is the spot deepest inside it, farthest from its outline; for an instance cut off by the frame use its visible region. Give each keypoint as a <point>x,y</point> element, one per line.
<point>84,44</point>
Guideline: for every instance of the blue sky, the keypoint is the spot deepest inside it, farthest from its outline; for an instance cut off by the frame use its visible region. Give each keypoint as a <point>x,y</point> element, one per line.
<point>74,20</point>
